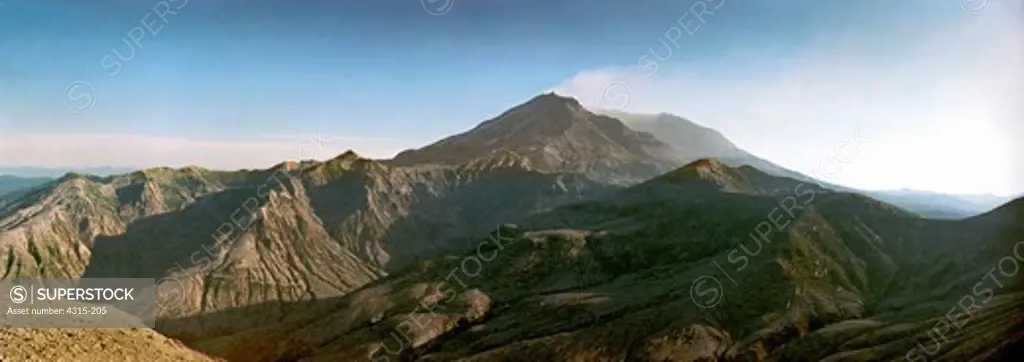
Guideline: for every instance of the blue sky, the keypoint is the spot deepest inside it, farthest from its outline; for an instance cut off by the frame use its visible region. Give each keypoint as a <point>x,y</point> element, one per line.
<point>230,83</point>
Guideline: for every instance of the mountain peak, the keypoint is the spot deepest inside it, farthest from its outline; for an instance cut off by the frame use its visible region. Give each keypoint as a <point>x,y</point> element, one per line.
<point>348,155</point>
<point>288,166</point>
<point>72,175</point>
<point>554,98</point>
<point>706,163</point>
<point>345,162</point>
<point>707,172</point>
<point>705,169</point>
<point>76,176</point>
<point>553,133</point>
<point>549,107</point>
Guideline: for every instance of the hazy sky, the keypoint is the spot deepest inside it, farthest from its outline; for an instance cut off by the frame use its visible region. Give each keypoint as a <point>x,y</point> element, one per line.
<point>935,85</point>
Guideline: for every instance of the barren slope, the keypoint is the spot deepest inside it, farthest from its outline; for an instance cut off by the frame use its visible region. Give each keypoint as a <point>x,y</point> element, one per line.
<point>556,134</point>
<point>92,345</point>
<point>279,237</point>
<point>672,270</point>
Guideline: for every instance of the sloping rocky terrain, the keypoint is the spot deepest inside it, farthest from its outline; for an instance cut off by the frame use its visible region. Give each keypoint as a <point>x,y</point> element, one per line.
<point>557,135</point>
<point>690,266</point>
<point>297,232</point>
<point>517,240</point>
<point>93,345</point>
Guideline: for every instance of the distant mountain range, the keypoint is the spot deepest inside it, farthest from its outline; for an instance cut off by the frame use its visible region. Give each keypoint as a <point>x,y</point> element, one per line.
<point>694,141</point>
<point>938,205</point>
<point>16,180</point>
<point>54,172</point>
<point>556,133</point>
<point>548,233</point>
<point>9,184</point>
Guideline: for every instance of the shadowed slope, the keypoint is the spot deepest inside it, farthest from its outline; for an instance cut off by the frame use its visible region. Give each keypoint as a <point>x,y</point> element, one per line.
<point>704,263</point>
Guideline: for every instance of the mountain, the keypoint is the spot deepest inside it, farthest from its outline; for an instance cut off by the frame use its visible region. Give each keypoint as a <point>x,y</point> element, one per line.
<point>938,205</point>
<point>517,240</point>
<point>10,183</point>
<point>283,236</point>
<point>681,134</point>
<point>549,127</point>
<point>54,172</point>
<point>692,141</point>
<point>556,134</point>
<point>1010,213</point>
<point>707,262</point>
